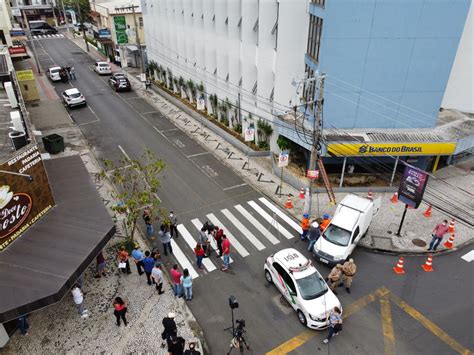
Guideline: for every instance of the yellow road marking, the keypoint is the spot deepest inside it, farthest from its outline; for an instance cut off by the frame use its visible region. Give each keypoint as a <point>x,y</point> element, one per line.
<point>293,343</point>
<point>433,328</point>
<point>364,301</point>
<point>387,326</point>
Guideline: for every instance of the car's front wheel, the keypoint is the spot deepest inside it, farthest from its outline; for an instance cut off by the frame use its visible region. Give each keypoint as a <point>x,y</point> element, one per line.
<point>268,277</point>
<point>302,317</point>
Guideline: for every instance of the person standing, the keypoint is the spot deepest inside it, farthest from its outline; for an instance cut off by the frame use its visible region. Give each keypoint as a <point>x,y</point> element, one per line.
<point>157,276</point>
<point>148,265</point>
<point>72,73</point>
<point>203,239</point>
<point>438,233</point>
<point>335,324</point>
<point>305,226</point>
<point>313,235</point>
<point>199,251</point>
<point>176,279</point>
<point>148,222</point>
<point>138,257</point>
<point>334,277</point>
<point>100,269</point>
<point>192,349</point>
<point>120,309</point>
<point>187,283</point>
<point>23,324</point>
<point>169,330</point>
<point>122,258</point>
<point>348,271</point>
<point>165,238</point>
<point>225,252</point>
<point>219,232</point>
<point>78,298</point>
<point>177,346</point>
<point>325,222</point>
<point>173,225</point>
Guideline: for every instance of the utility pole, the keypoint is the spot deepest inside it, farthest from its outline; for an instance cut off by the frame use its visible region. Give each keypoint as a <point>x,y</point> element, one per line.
<point>32,41</point>
<point>137,37</point>
<point>65,16</point>
<point>82,24</point>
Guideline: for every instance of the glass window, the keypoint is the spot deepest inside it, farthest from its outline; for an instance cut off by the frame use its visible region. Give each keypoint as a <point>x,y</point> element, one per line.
<point>337,235</point>
<point>356,234</point>
<point>314,36</point>
<point>318,2</point>
<point>312,286</point>
<point>285,276</point>
<point>308,90</point>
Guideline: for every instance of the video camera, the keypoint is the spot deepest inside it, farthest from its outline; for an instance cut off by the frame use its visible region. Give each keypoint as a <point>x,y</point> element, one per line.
<point>239,331</point>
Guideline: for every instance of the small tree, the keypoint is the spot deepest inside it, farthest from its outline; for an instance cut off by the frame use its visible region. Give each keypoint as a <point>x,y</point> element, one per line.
<point>136,183</point>
<point>213,102</point>
<point>200,88</point>
<point>283,143</point>
<point>192,90</point>
<point>264,130</point>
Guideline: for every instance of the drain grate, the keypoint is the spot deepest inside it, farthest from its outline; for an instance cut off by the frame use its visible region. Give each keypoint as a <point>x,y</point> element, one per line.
<point>418,242</point>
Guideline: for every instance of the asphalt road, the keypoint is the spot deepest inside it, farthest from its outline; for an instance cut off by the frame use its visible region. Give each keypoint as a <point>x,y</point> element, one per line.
<point>196,184</point>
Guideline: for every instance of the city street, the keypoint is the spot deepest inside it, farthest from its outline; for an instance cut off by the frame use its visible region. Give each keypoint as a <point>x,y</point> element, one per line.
<point>415,313</point>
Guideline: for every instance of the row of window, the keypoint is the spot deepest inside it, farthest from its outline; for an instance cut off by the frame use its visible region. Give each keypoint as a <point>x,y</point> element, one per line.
<point>318,2</point>
<point>314,36</point>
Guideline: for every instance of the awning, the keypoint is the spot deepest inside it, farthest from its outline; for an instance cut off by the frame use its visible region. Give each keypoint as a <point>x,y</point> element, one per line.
<point>40,268</point>
<point>132,48</point>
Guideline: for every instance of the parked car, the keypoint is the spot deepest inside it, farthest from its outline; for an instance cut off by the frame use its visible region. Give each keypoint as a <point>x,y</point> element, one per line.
<point>119,82</point>
<point>41,28</point>
<point>53,73</point>
<point>102,68</point>
<point>303,287</point>
<point>73,97</point>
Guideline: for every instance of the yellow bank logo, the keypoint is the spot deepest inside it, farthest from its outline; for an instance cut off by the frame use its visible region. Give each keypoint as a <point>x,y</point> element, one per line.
<point>402,149</point>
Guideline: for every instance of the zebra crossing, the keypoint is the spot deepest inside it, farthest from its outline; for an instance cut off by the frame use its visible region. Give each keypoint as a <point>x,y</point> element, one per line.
<point>56,35</point>
<point>250,227</point>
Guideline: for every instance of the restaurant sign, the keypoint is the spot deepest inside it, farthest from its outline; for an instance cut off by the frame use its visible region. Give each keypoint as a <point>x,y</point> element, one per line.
<point>397,149</point>
<point>25,194</point>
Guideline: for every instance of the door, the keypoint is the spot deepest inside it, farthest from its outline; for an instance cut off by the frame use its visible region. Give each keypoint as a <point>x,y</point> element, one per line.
<point>285,284</point>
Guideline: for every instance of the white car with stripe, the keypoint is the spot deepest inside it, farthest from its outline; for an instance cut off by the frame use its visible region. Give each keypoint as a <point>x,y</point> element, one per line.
<point>302,285</point>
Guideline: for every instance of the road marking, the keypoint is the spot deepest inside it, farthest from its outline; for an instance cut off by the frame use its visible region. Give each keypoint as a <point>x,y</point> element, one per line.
<point>86,123</point>
<point>188,238</point>
<point>197,154</point>
<point>124,153</point>
<point>234,243</point>
<point>281,214</point>
<point>234,187</point>
<point>265,232</point>
<point>198,225</point>
<point>169,130</point>
<point>468,257</point>
<point>387,325</point>
<point>242,229</point>
<point>271,220</point>
<point>183,260</point>
<point>148,113</point>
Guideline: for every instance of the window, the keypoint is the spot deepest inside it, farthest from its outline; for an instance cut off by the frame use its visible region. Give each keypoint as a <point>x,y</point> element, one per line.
<point>284,275</point>
<point>308,89</point>
<point>140,22</point>
<point>318,2</point>
<point>356,234</point>
<point>254,89</point>
<point>272,95</point>
<point>314,37</point>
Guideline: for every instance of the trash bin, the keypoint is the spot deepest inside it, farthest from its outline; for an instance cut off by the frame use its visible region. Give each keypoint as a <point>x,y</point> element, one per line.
<point>53,143</point>
<point>18,139</point>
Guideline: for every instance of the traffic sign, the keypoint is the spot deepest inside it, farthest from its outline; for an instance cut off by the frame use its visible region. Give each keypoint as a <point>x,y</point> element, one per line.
<point>249,134</point>
<point>312,174</point>
<point>283,159</point>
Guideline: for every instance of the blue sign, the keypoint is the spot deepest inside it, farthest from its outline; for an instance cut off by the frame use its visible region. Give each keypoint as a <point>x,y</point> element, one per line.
<point>105,33</point>
<point>17,33</point>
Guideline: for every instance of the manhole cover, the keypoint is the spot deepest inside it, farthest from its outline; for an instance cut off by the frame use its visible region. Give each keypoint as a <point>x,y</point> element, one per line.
<point>389,232</point>
<point>419,243</point>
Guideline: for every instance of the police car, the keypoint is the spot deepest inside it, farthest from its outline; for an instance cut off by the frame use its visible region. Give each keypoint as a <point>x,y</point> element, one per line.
<point>302,285</point>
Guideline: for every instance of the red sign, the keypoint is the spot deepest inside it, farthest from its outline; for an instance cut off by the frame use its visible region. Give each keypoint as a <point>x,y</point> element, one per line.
<point>17,50</point>
<point>312,174</point>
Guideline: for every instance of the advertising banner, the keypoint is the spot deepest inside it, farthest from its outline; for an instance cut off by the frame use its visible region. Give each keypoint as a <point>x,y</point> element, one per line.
<point>312,174</point>
<point>25,194</point>
<point>400,149</point>
<point>412,186</point>
<point>120,29</point>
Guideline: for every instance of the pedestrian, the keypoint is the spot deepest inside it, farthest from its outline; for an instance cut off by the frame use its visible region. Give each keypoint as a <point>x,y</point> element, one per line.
<point>63,75</point>
<point>138,256</point>
<point>334,277</point>
<point>122,258</point>
<point>147,84</point>
<point>203,239</point>
<point>165,238</point>
<point>72,73</point>
<point>169,330</point>
<point>325,222</point>
<point>120,309</point>
<point>155,254</point>
<point>148,222</point>
<point>437,235</point>
<point>187,283</point>
<point>305,226</point>
<point>177,346</point>
<point>100,268</point>
<point>78,298</point>
<point>313,235</point>
<point>225,252</point>
<point>348,271</point>
<point>173,225</point>
<point>192,349</point>
<point>23,324</point>
<point>157,276</point>
<point>219,232</point>
<point>68,72</point>
<point>199,251</point>
<point>148,265</point>
<point>335,323</point>
<point>176,280</point>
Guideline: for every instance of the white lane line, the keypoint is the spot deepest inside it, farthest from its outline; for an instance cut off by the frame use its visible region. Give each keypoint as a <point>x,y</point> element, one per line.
<point>281,214</point>
<point>234,243</point>
<point>198,225</point>
<point>233,187</point>
<point>196,155</point>
<point>468,257</point>
<point>271,220</point>
<point>124,153</point>
<point>266,233</point>
<point>169,130</point>
<point>188,238</point>
<point>242,229</point>
<point>183,260</point>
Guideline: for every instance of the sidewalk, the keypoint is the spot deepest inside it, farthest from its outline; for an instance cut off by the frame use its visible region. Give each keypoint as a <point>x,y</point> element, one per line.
<point>381,236</point>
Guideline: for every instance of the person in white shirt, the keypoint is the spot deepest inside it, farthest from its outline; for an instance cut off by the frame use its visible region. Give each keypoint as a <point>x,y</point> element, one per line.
<point>79,301</point>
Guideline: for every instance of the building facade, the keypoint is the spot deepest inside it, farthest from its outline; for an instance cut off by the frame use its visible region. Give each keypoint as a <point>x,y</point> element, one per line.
<point>34,10</point>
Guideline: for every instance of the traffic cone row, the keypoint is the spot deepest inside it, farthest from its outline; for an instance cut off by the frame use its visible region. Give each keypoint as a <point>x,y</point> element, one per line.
<point>451,228</point>
<point>427,213</point>
<point>288,203</point>
<point>427,266</point>
<point>449,244</point>
<point>302,193</point>
<point>394,198</point>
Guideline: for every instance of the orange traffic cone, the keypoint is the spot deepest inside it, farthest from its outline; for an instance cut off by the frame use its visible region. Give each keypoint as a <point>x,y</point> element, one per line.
<point>451,228</point>
<point>450,242</point>
<point>302,193</point>
<point>399,268</point>
<point>370,196</point>
<point>427,266</point>
<point>428,212</point>
<point>288,203</point>
<point>394,198</point>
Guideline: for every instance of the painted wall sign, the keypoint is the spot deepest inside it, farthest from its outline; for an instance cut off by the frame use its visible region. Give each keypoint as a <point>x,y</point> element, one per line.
<point>400,149</point>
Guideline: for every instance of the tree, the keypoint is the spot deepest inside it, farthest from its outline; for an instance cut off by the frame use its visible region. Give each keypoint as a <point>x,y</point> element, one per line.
<point>264,130</point>
<point>83,4</point>
<point>136,183</point>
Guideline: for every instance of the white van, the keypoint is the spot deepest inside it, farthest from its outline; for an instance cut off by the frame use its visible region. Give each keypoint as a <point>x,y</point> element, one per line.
<point>350,223</point>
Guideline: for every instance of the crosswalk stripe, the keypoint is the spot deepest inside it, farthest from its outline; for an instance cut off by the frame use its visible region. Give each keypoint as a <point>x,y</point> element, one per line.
<point>188,238</point>
<point>35,37</point>
<point>281,214</point>
<point>48,36</point>
<point>234,242</point>
<point>197,223</point>
<point>270,220</point>
<point>256,243</point>
<point>468,256</point>
<point>266,233</point>
<point>183,260</point>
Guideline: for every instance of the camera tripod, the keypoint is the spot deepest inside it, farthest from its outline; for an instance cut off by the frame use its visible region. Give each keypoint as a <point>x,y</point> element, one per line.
<point>238,342</point>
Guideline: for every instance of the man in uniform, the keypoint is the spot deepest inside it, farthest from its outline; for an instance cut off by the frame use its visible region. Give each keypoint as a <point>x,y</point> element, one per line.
<point>348,271</point>
<point>334,277</point>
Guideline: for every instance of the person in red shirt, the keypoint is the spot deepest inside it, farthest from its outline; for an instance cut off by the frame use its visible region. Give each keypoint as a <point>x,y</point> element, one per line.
<point>438,233</point>
<point>176,279</point>
<point>122,257</point>
<point>120,308</point>
<point>199,251</point>
<point>218,233</point>
<point>225,252</point>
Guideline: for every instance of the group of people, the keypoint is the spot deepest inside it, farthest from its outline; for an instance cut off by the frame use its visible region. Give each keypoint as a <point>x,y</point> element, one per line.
<point>67,73</point>
<point>176,344</point>
<point>312,229</point>
<point>203,246</point>
<point>342,275</point>
<point>168,229</point>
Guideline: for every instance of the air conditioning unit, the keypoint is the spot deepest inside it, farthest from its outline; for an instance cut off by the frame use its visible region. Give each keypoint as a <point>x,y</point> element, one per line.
<point>11,94</point>
<point>17,122</point>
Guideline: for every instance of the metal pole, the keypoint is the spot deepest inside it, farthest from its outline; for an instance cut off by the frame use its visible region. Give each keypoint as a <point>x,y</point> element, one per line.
<point>54,14</point>
<point>394,171</point>
<point>65,16</point>
<point>82,25</point>
<point>281,181</point>
<point>342,172</point>
<point>33,45</point>
<point>137,39</point>
<point>401,222</point>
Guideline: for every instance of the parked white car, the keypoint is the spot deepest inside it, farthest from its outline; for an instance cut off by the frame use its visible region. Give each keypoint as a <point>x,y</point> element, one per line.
<point>53,73</point>
<point>73,97</point>
<point>302,285</point>
<point>102,68</point>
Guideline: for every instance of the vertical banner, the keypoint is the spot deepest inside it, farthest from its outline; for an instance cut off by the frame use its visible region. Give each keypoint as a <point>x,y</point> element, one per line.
<point>412,186</point>
<point>120,29</point>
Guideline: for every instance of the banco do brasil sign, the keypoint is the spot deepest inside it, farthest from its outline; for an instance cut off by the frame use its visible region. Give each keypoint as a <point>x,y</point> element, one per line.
<point>370,149</point>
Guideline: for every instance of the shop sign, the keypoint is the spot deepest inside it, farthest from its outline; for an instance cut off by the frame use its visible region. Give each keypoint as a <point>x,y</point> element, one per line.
<point>24,198</point>
<point>17,33</point>
<point>25,75</point>
<point>283,159</point>
<point>397,149</point>
<point>104,33</point>
<point>120,29</point>
<point>17,50</point>
<point>312,174</point>
<point>412,186</point>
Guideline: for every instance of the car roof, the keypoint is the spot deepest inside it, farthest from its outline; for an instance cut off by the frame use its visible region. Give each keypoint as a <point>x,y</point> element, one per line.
<point>102,63</point>
<point>54,67</point>
<point>356,202</point>
<point>346,218</point>
<point>295,262</point>
<point>72,91</point>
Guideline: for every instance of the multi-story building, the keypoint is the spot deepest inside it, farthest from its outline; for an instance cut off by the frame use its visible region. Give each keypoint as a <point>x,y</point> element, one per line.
<point>34,10</point>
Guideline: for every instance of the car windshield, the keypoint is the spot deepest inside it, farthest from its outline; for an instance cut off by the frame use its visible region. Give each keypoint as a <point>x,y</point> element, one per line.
<point>337,235</point>
<point>312,286</point>
<point>104,65</point>
<point>54,71</point>
<point>75,95</point>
